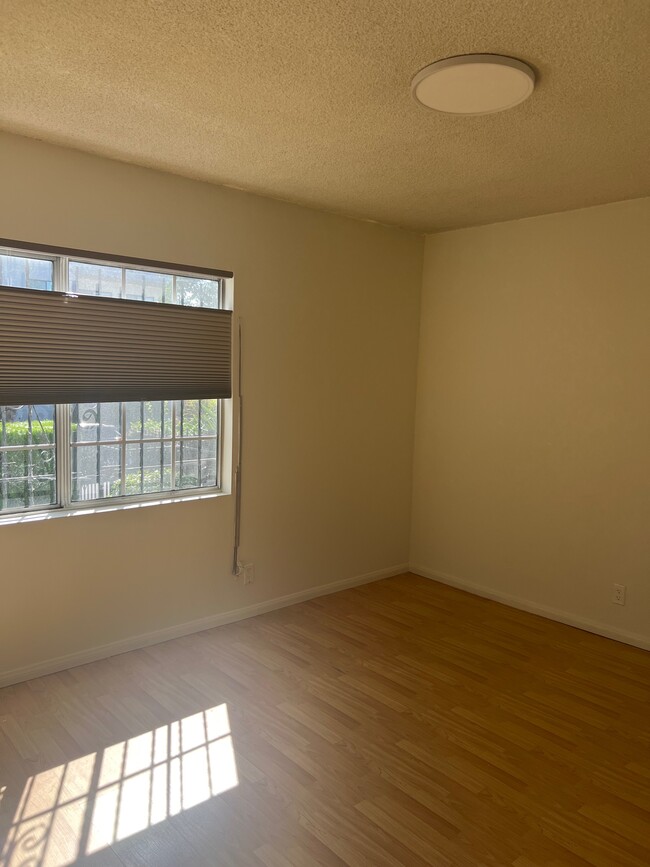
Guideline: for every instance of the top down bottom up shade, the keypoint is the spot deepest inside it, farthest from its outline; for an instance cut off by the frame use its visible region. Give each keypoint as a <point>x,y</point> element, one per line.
<point>62,348</point>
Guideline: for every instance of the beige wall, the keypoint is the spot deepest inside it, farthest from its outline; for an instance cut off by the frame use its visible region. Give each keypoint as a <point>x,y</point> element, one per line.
<point>330,311</point>
<point>532,458</point>
<point>531,467</point>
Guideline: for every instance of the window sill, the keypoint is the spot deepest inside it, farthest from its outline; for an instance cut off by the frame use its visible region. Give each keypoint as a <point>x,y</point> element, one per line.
<point>97,507</point>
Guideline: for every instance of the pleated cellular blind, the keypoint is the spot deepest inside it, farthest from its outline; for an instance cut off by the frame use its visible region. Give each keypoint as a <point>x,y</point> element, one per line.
<point>63,348</point>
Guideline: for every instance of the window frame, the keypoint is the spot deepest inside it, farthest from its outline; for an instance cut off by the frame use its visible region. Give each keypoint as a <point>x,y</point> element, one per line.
<point>62,447</point>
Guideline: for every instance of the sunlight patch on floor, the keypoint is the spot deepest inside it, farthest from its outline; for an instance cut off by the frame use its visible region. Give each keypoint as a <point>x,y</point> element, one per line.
<point>85,805</point>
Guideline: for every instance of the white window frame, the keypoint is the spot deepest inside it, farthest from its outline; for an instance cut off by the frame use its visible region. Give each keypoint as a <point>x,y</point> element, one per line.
<point>62,412</point>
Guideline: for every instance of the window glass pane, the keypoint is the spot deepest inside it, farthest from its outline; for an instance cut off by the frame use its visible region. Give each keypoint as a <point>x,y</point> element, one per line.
<point>25,273</point>
<point>92,422</point>
<point>208,462</point>
<point>87,279</point>
<point>209,417</point>
<point>27,478</point>
<point>26,425</point>
<point>196,418</point>
<point>149,286</point>
<point>194,292</point>
<point>27,474</point>
<point>149,419</point>
<point>187,466</point>
<point>96,471</point>
<point>149,467</point>
<point>196,463</point>
<point>96,467</point>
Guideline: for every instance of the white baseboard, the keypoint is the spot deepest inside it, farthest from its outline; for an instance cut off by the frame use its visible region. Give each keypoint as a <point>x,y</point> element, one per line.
<point>92,654</point>
<point>534,608</point>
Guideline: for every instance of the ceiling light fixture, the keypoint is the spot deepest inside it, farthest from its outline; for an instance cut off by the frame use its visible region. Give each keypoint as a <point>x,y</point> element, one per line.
<point>473,84</point>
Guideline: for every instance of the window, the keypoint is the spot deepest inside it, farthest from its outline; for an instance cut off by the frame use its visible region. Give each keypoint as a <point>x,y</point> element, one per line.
<point>27,457</point>
<point>70,454</point>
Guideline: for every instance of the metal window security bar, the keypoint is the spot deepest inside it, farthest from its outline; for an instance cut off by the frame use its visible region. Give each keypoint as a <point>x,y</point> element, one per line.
<point>27,470</point>
<point>120,476</point>
<point>108,350</point>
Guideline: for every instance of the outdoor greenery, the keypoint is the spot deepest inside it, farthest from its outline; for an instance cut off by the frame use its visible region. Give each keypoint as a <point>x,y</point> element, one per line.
<point>190,420</point>
<point>150,483</point>
<point>16,433</point>
<point>27,476</point>
<point>18,486</point>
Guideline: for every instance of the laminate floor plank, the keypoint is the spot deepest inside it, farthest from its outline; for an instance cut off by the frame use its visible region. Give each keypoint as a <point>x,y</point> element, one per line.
<point>398,724</point>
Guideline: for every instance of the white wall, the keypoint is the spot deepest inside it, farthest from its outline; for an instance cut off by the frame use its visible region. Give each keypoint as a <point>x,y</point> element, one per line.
<point>330,311</point>
<point>532,459</point>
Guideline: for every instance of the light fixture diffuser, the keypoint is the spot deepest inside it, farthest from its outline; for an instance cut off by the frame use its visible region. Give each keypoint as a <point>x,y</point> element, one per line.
<point>473,84</point>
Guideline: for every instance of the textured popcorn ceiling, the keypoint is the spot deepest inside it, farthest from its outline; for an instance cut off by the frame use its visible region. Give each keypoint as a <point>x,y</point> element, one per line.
<point>310,101</point>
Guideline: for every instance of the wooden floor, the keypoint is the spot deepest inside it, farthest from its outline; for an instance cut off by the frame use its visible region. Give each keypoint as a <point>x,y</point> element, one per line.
<point>399,723</point>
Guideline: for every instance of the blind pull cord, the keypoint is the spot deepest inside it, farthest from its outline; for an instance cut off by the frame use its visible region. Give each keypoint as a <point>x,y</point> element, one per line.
<point>236,565</point>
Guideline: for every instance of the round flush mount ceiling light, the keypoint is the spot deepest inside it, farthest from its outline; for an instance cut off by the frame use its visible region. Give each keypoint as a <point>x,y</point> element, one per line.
<point>473,84</point>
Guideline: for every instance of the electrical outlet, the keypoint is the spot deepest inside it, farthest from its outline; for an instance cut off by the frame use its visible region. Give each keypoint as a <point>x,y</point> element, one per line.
<point>248,572</point>
<point>618,594</point>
